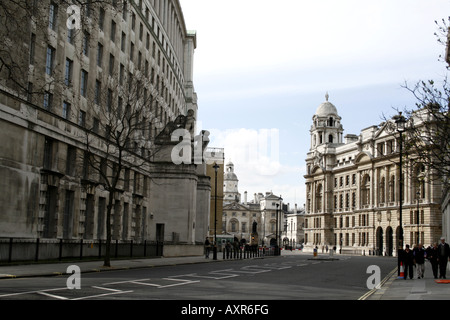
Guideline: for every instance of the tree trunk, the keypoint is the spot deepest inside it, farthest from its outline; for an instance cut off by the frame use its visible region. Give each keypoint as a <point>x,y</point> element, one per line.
<point>107,259</point>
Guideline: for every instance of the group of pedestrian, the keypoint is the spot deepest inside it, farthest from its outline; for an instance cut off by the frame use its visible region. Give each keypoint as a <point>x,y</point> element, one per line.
<point>437,254</point>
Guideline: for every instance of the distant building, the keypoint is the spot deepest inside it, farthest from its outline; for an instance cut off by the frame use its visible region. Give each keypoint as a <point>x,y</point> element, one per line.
<point>252,222</point>
<point>230,185</point>
<point>294,232</point>
<point>352,190</point>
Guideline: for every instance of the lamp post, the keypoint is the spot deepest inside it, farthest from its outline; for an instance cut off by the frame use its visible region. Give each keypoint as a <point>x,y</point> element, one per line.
<point>276,232</point>
<point>216,168</point>
<point>418,217</point>
<point>400,122</point>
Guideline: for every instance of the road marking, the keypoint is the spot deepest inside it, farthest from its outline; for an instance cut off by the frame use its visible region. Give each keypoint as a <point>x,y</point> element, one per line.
<point>369,293</point>
<point>52,295</point>
<point>102,295</point>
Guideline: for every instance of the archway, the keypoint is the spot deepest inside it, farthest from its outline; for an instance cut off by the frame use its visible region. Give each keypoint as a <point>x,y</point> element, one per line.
<point>389,241</point>
<point>273,242</point>
<point>379,248</point>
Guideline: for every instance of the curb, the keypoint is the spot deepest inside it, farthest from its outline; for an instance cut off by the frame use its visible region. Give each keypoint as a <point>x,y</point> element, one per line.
<point>108,269</point>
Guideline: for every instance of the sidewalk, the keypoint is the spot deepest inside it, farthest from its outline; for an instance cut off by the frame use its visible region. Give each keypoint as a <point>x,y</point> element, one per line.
<point>415,289</point>
<point>60,268</point>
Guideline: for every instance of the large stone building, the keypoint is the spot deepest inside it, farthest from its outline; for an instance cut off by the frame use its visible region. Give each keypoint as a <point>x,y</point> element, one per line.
<point>69,84</point>
<point>352,190</point>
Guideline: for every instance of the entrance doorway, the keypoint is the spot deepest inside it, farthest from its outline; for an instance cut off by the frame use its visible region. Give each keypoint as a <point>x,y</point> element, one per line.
<point>380,247</point>
<point>389,241</point>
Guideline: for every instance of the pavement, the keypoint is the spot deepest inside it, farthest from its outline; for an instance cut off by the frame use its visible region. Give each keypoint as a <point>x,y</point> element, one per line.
<point>426,288</point>
<point>392,288</point>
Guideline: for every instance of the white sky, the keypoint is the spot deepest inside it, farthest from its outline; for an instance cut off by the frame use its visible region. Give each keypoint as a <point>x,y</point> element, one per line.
<point>263,67</point>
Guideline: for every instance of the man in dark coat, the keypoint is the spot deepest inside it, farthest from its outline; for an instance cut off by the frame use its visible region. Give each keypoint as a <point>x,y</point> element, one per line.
<point>432,256</point>
<point>408,262</point>
<point>419,259</point>
<point>443,257</point>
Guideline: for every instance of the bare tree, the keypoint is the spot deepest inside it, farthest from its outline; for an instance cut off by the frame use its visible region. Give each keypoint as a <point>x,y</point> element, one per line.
<point>120,136</point>
<point>427,135</point>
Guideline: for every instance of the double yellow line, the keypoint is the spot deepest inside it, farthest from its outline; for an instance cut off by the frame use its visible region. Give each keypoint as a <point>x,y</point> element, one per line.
<point>369,293</point>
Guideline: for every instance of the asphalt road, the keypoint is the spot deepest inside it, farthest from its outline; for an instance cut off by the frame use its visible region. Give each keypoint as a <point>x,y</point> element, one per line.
<point>289,277</point>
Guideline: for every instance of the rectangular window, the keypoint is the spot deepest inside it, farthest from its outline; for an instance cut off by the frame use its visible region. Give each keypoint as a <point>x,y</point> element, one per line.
<point>48,100</point>
<point>68,214</point>
<point>131,51</point>
<point>71,160</point>
<point>113,31</point>
<point>111,64</point>
<point>121,74</point>
<point>84,83</point>
<point>99,54</point>
<point>68,73</point>
<point>49,60</point>
<point>123,42</point>
<point>133,20</point>
<point>48,153</point>
<point>109,100</point>
<point>66,110</point>
<point>52,16</point>
<point>82,118</point>
<point>101,19</point>
<point>96,125</point>
<point>70,35</point>
<point>98,91</point>
<point>86,38</point>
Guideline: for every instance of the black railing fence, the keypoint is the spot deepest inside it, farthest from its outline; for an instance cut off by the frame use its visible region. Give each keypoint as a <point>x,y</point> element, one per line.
<point>246,252</point>
<point>20,249</point>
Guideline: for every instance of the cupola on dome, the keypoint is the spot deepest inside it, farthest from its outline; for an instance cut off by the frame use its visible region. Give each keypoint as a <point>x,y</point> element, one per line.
<point>326,109</point>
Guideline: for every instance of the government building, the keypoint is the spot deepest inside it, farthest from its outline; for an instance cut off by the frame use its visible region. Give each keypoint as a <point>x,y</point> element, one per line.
<point>353,191</point>
<point>258,221</point>
<point>86,93</point>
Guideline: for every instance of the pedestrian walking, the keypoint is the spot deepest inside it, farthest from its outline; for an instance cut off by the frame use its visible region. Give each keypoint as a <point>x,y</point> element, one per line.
<point>419,259</point>
<point>228,249</point>
<point>408,262</point>
<point>432,256</point>
<point>443,257</point>
<point>207,248</point>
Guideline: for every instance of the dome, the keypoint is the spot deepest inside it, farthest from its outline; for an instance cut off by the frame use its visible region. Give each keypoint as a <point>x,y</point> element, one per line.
<point>326,109</point>
<point>229,174</point>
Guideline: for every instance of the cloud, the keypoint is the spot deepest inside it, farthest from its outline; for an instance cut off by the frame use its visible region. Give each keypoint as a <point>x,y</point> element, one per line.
<point>258,163</point>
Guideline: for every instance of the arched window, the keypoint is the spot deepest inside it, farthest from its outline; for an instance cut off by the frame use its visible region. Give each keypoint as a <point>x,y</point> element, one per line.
<point>420,182</point>
<point>365,190</point>
<point>392,189</point>
<point>330,138</point>
<point>382,197</point>
<point>331,122</point>
<point>319,198</point>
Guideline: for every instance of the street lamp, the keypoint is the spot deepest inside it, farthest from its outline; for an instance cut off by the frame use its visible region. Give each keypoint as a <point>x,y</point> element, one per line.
<point>216,168</point>
<point>418,217</point>
<point>276,232</point>
<point>400,121</point>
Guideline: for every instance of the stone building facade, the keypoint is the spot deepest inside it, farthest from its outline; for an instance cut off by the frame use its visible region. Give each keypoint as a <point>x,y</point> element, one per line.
<point>353,194</point>
<point>252,222</point>
<point>70,75</point>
